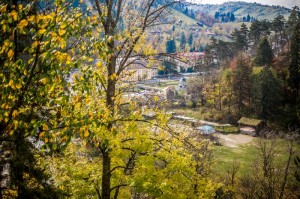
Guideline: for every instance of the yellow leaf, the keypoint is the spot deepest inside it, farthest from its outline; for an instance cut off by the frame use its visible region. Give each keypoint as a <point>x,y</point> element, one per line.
<point>25,72</point>
<point>31,18</point>
<point>42,31</point>
<point>99,64</point>
<point>15,113</point>
<point>18,86</point>
<point>10,54</point>
<point>44,80</point>
<point>14,15</point>
<point>86,133</point>
<point>11,132</point>
<point>45,127</point>
<point>42,134</point>
<point>10,83</point>
<point>61,32</point>
<point>23,23</point>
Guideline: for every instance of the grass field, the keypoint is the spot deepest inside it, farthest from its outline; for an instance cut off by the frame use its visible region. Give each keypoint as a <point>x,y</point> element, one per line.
<point>225,156</point>
<point>245,155</point>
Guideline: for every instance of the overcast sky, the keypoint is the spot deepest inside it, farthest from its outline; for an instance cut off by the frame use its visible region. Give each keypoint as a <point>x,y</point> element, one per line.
<point>286,3</point>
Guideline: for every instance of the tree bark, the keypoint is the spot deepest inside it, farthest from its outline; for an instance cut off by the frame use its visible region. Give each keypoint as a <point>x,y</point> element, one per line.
<point>106,175</point>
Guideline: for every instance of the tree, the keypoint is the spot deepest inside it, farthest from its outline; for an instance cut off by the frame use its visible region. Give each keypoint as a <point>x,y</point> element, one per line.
<point>217,15</point>
<point>264,55</point>
<point>266,93</point>
<point>190,39</point>
<point>241,82</point>
<point>137,155</point>
<point>294,73</point>
<point>248,18</point>
<point>271,175</point>
<point>182,41</point>
<point>240,37</point>
<point>259,29</point>
<point>170,46</point>
<point>278,26</point>
<point>232,17</point>
<point>292,21</point>
<point>36,54</point>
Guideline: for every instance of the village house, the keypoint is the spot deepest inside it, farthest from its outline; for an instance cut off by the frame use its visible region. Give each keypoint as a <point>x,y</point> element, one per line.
<point>185,60</point>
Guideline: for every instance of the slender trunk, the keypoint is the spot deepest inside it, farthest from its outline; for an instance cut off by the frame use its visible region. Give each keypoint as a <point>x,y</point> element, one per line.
<point>106,175</point>
<point>19,167</point>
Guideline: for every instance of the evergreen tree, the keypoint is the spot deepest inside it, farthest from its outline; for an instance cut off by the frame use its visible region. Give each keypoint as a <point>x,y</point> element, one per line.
<point>182,41</point>
<point>248,18</point>
<point>278,26</point>
<point>186,11</point>
<point>266,93</point>
<point>232,17</point>
<point>259,29</point>
<point>192,14</point>
<point>190,39</point>
<point>241,86</point>
<point>264,55</point>
<point>240,38</point>
<point>294,69</point>
<point>170,46</point>
<point>293,19</point>
<point>217,15</point>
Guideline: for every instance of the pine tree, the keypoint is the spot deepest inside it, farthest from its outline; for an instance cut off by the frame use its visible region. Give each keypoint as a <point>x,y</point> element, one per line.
<point>278,26</point>
<point>264,55</point>
<point>182,41</point>
<point>294,78</point>
<point>190,40</point>
<point>241,86</point>
<point>232,17</point>
<point>266,93</point>
<point>170,46</point>
<point>248,18</point>
<point>240,38</point>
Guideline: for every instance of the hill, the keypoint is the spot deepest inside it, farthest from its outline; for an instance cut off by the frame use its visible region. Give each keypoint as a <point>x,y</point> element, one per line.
<point>241,9</point>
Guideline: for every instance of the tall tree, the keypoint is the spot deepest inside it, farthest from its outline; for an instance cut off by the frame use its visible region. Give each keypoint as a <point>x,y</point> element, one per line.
<point>182,41</point>
<point>294,69</point>
<point>190,39</point>
<point>36,57</point>
<point>241,82</point>
<point>133,153</point>
<point>264,55</point>
<point>240,37</point>
<point>266,93</point>
<point>278,26</point>
<point>292,21</point>
<point>170,46</point>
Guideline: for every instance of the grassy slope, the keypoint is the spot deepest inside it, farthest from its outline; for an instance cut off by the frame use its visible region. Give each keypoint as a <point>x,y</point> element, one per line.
<point>186,19</point>
<point>241,9</point>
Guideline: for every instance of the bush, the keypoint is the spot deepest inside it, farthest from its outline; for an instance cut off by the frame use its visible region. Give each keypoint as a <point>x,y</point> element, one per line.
<point>189,70</point>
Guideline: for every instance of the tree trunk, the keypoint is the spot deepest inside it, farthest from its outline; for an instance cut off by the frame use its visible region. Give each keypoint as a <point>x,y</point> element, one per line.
<point>106,175</point>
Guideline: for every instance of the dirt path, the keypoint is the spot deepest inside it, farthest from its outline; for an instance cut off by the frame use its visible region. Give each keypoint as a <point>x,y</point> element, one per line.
<point>234,140</point>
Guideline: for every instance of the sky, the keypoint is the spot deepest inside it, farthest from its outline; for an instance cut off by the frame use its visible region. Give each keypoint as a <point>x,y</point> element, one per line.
<point>286,3</point>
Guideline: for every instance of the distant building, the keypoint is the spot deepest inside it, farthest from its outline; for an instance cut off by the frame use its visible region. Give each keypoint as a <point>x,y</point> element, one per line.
<point>138,70</point>
<point>185,60</point>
